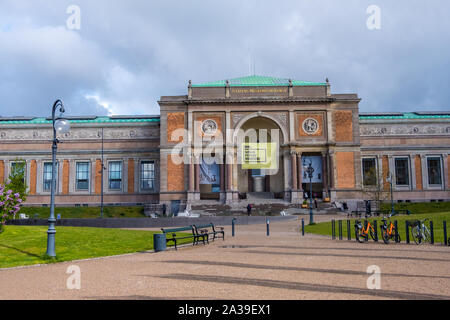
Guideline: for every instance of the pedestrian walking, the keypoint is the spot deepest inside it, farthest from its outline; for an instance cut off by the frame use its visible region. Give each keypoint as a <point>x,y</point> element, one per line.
<point>249,209</point>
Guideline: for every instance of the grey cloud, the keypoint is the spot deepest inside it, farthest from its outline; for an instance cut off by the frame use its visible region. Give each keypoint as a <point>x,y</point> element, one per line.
<point>128,54</point>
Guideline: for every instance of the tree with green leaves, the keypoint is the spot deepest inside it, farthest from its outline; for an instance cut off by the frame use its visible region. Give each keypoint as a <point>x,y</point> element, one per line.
<point>17,179</point>
<point>373,187</point>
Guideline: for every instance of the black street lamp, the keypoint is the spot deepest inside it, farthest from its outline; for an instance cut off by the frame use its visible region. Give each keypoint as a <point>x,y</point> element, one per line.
<point>389,179</point>
<point>59,125</point>
<point>103,168</point>
<point>310,171</point>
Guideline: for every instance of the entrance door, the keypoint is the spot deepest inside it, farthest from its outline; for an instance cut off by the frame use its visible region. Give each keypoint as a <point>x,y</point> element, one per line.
<point>315,162</point>
<point>209,179</point>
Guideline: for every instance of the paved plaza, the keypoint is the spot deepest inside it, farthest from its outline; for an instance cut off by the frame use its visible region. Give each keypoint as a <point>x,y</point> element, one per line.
<point>251,265</point>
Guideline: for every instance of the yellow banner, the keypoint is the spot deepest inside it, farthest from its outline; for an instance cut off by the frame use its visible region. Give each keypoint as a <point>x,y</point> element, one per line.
<point>259,155</point>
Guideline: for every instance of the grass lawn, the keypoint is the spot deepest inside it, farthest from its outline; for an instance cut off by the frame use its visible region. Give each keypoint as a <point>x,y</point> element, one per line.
<point>324,228</point>
<point>418,207</point>
<point>23,245</point>
<point>86,212</point>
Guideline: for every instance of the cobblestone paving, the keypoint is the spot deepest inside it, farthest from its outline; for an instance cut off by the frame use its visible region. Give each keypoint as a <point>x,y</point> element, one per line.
<point>249,266</point>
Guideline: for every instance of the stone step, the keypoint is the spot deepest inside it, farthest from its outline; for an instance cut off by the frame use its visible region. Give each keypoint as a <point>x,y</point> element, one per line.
<point>260,195</point>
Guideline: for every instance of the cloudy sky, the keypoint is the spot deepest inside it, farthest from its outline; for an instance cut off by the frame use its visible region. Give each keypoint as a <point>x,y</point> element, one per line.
<point>127,54</point>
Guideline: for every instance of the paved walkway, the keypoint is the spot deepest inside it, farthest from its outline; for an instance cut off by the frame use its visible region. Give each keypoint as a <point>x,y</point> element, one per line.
<point>248,266</point>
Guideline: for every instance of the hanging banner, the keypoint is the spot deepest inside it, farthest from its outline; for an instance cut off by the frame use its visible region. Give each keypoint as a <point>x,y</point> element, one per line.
<point>316,163</point>
<point>259,155</point>
<point>209,172</point>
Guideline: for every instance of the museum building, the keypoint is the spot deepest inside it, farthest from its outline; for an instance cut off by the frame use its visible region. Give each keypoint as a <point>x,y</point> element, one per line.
<point>232,142</point>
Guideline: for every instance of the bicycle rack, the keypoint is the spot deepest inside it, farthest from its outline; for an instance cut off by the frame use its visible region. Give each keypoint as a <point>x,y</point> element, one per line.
<point>349,231</point>
<point>445,233</point>
<point>407,231</point>
<point>431,232</point>
<point>396,231</point>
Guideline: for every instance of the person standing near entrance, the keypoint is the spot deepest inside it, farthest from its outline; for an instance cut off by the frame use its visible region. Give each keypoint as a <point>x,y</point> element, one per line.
<point>249,209</point>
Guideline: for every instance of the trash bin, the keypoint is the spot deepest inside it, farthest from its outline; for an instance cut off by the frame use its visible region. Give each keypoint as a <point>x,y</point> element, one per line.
<point>159,242</point>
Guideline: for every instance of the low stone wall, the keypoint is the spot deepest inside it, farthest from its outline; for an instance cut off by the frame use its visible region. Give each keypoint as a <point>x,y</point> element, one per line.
<point>149,222</point>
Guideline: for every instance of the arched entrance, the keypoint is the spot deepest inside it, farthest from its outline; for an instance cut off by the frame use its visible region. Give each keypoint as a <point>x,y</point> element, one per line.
<point>262,134</point>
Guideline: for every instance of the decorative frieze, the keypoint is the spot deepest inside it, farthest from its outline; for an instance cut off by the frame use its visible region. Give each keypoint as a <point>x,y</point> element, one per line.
<point>23,134</point>
<point>404,129</point>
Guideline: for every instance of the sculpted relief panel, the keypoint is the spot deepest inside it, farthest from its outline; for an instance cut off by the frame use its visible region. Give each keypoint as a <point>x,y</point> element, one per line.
<point>80,134</point>
<point>404,129</point>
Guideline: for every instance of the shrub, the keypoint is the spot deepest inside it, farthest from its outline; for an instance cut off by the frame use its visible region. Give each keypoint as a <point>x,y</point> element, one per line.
<point>10,203</point>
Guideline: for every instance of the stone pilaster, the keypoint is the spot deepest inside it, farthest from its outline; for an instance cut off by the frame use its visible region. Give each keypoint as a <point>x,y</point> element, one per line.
<point>324,174</point>
<point>446,172</point>
<point>299,174</point>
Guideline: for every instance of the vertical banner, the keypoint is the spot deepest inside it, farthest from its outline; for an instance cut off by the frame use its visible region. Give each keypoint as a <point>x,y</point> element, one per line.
<point>209,172</point>
<point>316,163</point>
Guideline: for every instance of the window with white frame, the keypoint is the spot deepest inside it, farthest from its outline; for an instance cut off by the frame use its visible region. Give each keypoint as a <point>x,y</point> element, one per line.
<point>147,175</point>
<point>47,178</point>
<point>369,170</point>
<point>401,171</point>
<point>115,175</point>
<point>434,171</point>
<point>82,175</point>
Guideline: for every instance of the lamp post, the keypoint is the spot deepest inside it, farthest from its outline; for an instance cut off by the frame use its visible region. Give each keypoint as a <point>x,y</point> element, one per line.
<point>389,179</point>
<point>59,125</point>
<point>310,171</point>
<point>103,168</point>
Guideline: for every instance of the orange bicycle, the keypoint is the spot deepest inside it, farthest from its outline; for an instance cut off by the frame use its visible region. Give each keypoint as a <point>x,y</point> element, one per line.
<point>362,231</point>
<point>388,231</point>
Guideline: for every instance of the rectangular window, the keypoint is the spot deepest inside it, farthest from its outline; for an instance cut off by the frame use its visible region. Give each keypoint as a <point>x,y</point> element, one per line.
<point>434,171</point>
<point>401,172</point>
<point>369,172</point>
<point>147,175</point>
<point>82,176</point>
<point>115,175</point>
<point>47,180</point>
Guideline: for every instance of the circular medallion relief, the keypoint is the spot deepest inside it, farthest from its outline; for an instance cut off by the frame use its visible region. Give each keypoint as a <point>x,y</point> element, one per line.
<point>310,126</point>
<point>209,127</point>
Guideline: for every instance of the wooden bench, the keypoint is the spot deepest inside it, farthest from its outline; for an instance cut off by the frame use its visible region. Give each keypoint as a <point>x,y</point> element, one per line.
<point>174,237</point>
<point>209,229</point>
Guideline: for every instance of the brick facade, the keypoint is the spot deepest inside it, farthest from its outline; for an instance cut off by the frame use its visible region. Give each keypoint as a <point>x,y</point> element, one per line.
<point>418,173</point>
<point>2,171</point>
<point>65,186</point>
<point>130,175</point>
<point>98,176</point>
<point>343,123</point>
<point>345,167</point>
<point>33,177</point>
<point>175,174</point>
<point>175,121</point>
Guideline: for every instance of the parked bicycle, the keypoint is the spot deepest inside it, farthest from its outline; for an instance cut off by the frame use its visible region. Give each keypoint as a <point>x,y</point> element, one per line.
<point>420,232</point>
<point>388,230</point>
<point>362,231</point>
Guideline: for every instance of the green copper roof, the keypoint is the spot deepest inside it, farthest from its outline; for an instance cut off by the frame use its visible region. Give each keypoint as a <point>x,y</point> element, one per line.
<point>258,81</point>
<point>103,119</point>
<point>406,115</point>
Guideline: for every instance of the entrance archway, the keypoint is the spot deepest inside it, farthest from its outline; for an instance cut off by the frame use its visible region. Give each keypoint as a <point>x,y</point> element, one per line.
<point>266,182</point>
